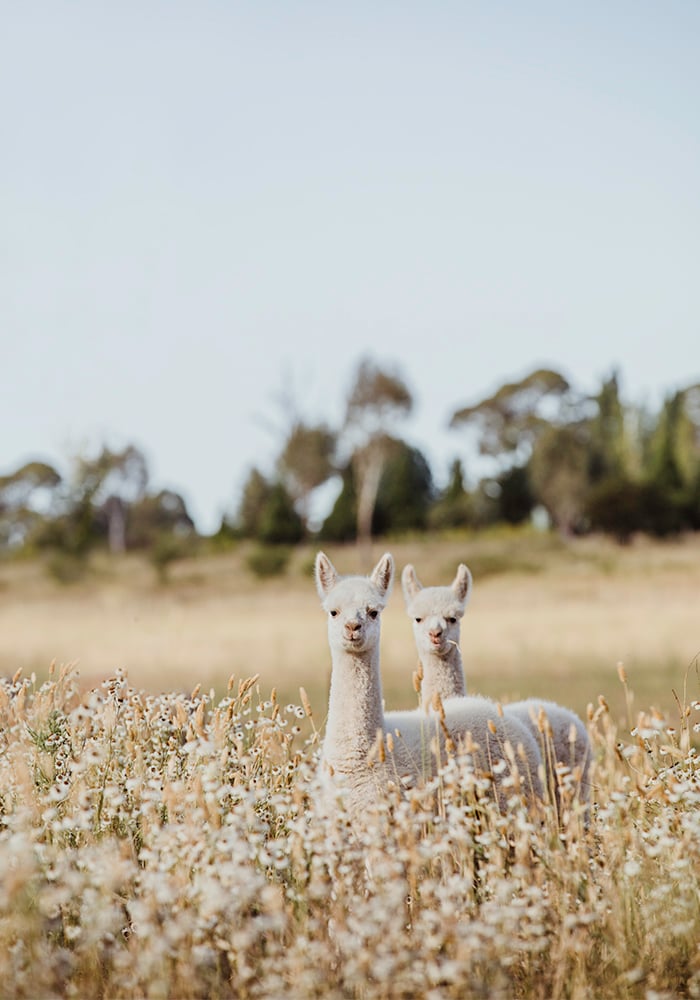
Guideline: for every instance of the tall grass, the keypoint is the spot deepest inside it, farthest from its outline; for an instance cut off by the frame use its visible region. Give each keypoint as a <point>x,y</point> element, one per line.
<point>174,845</point>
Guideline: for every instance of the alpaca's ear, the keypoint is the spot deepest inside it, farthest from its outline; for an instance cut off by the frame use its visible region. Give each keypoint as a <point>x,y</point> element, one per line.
<point>326,575</point>
<point>382,576</point>
<point>462,583</point>
<point>410,583</point>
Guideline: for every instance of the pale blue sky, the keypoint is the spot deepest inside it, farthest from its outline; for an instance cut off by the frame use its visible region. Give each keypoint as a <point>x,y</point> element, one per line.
<point>201,203</point>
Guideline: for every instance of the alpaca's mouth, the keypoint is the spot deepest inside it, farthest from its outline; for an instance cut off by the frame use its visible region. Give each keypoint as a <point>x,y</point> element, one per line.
<point>438,646</point>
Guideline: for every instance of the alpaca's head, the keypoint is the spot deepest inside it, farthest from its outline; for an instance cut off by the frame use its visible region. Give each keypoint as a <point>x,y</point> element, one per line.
<point>436,612</point>
<point>354,603</point>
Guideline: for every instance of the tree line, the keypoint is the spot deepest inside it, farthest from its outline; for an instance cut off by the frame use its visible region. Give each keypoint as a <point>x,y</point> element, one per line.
<point>586,462</point>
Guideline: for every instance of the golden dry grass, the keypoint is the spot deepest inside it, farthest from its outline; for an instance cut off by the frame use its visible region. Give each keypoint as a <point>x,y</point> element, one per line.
<point>171,846</point>
<point>546,618</point>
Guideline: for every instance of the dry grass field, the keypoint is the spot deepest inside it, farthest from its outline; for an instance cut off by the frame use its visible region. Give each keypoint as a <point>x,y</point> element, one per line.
<point>157,841</point>
<point>546,618</point>
<point>169,846</point>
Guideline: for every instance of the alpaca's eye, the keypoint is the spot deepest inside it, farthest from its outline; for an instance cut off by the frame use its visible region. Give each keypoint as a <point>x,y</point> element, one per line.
<point>418,621</point>
<point>452,621</point>
<point>333,614</point>
<point>373,613</point>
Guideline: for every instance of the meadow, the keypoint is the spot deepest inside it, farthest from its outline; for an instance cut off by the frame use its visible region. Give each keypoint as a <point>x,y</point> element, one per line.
<point>161,832</point>
<point>546,618</point>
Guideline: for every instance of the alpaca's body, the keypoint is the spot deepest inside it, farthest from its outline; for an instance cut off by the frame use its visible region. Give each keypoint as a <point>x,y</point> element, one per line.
<point>568,743</point>
<point>474,722</point>
<point>355,715</point>
<point>437,613</point>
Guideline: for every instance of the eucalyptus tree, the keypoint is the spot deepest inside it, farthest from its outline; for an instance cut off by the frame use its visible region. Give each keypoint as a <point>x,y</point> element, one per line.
<point>27,497</point>
<point>521,426</point>
<point>266,512</point>
<point>378,400</point>
<point>307,461</point>
<point>113,481</point>
<point>507,423</point>
<point>404,497</point>
<point>558,472</point>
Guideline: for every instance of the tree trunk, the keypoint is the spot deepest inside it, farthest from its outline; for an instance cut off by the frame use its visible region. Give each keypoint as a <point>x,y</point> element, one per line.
<point>115,510</point>
<point>368,472</point>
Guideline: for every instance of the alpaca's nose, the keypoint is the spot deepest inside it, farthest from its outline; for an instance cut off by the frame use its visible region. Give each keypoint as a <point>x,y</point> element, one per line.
<point>435,632</point>
<point>352,627</point>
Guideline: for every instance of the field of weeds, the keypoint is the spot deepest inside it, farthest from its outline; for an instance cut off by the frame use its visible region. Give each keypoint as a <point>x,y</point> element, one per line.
<point>173,845</point>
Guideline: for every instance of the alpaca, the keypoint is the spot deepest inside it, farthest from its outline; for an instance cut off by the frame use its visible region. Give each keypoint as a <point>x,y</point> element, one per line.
<point>437,613</point>
<point>355,710</point>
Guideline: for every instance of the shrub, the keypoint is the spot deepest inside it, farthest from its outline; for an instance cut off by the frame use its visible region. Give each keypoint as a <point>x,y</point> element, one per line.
<point>279,522</point>
<point>167,549</point>
<point>622,507</point>
<point>66,567</point>
<point>268,560</point>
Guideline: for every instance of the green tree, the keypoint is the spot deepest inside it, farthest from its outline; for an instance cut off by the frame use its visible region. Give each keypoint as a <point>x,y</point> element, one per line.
<point>266,512</point>
<point>609,448</point>
<point>665,466</point>
<point>559,475</point>
<point>508,423</point>
<point>377,400</point>
<point>403,501</point>
<point>156,517</point>
<point>105,500</point>
<point>405,491</point>
<point>73,531</point>
<point>256,493</point>
<point>673,469</point>
<point>111,482</point>
<point>341,523</point>
<point>615,506</point>
<point>306,462</point>
<point>280,524</point>
<point>515,497</point>
<point>453,506</point>
<point>692,503</point>
<point>27,497</point>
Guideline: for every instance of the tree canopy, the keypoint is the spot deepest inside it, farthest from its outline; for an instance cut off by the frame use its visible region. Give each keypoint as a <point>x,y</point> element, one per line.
<point>508,422</point>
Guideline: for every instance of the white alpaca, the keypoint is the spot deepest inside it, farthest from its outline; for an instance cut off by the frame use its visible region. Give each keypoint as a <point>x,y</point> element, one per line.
<point>355,713</point>
<point>437,614</point>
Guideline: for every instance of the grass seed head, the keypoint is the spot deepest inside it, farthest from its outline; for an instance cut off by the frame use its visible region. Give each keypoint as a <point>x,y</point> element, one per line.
<point>438,706</point>
<point>306,704</point>
<point>418,678</point>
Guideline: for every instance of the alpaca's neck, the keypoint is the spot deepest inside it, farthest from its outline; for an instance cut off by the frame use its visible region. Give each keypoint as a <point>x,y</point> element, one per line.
<point>443,675</point>
<point>354,711</point>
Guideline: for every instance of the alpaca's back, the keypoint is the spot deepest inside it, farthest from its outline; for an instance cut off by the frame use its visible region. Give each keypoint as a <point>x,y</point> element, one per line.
<point>568,744</point>
<point>474,725</point>
<point>479,717</point>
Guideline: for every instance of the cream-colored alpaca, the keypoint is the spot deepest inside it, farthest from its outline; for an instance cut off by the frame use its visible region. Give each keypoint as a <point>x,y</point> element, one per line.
<point>355,713</point>
<point>437,613</point>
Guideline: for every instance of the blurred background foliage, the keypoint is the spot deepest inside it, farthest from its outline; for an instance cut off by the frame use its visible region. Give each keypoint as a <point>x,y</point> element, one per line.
<point>572,462</point>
